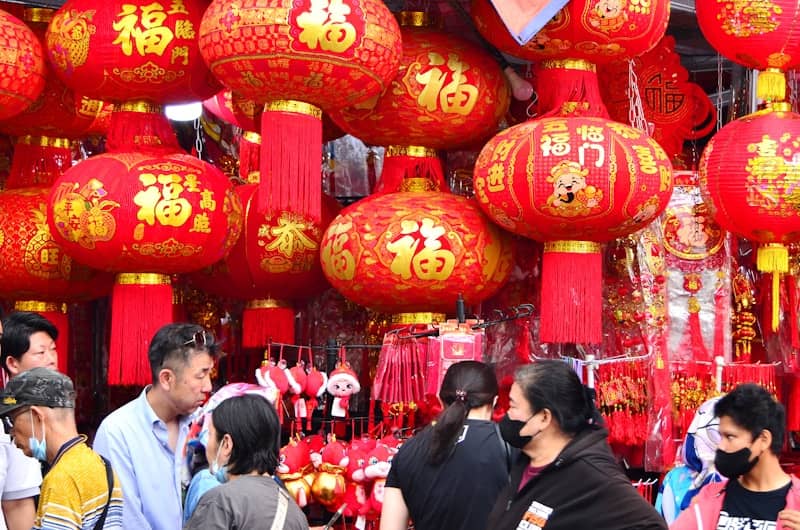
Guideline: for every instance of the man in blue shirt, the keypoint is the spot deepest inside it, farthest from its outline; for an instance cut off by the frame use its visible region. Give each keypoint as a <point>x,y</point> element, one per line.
<point>144,439</point>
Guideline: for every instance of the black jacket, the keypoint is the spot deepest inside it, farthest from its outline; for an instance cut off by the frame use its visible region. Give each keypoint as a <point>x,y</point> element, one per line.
<point>583,489</point>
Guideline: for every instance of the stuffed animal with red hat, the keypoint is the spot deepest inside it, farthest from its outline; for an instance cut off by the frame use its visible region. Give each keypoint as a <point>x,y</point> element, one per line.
<point>342,383</point>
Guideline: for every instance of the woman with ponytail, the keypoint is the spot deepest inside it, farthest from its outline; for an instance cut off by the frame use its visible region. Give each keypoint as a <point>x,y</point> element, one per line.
<point>449,475</point>
<point>566,477</point>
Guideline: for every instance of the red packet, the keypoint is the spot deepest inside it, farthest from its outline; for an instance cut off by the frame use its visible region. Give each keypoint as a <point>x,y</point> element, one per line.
<point>455,343</point>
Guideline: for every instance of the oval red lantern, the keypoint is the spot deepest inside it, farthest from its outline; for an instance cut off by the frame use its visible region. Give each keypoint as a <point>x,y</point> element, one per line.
<point>572,183</point>
<point>447,93</point>
<point>415,251</point>
<point>748,175</point>
<point>597,31</point>
<point>32,265</point>
<point>132,212</point>
<point>22,66</point>
<point>130,50</point>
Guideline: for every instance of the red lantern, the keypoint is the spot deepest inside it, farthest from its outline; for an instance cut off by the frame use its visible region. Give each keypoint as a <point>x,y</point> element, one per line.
<point>297,56</point>
<point>572,183</point>
<point>21,66</point>
<point>415,251</point>
<point>57,112</point>
<point>130,50</point>
<point>447,93</point>
<point>748,175</point>
<point>760,35</point>
<point>597,31</point>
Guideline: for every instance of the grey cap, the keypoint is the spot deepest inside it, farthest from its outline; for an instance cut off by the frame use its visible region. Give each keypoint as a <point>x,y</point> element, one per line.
<point>38,386</point>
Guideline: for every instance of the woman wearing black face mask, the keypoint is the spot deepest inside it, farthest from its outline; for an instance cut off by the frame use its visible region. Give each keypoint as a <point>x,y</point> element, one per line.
<point>566,477</point>
<point>449,475</point>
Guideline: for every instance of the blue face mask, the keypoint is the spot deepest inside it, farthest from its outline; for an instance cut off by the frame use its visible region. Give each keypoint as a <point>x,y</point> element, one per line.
<point>38,447</point>
<point>220,472</point>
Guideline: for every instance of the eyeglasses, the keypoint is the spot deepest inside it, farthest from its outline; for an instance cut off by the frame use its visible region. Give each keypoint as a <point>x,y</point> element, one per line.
<point>199,340</point>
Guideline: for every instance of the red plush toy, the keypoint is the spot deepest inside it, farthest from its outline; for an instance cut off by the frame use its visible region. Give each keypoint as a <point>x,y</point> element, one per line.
<point>329,483</point>
<point>379,461</point>
<point>342,383</point>
<point>355,495</point>
<point>294,465</point>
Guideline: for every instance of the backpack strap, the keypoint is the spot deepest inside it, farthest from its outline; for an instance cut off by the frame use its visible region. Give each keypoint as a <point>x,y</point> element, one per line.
<point>110,478</point>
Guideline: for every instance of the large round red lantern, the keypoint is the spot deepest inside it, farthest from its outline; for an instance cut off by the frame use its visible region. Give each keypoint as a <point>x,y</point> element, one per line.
<point>760,35</point>
<point>21,66</point>
<point>130,50</point>
<point>447,93</point>
<point>573,183</point>
<point>748,175</point>
<point>415,251</point>
<point>598,31</point>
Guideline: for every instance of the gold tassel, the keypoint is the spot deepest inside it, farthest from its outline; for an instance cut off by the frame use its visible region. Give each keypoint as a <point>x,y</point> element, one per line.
<point>774,258</point>
<point>771,85</point>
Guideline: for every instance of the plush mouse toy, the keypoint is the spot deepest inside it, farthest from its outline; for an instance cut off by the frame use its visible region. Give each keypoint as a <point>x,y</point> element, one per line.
<point>379,461</point>
<point>342,383</point>
<point>294,464</point>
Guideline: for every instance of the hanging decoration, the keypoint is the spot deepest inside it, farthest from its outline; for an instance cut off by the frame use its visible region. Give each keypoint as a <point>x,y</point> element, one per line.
<point>22,66</point>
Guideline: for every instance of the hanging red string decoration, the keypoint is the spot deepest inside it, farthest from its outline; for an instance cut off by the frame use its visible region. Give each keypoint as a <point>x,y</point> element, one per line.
<point>572,183</point>
<point>622,394</point>
<point>747,174</point>
<point>759,35</point>
<point>598,31</point>
<point>447,93</point>
<point>22,66</point>
<point>299,57</point>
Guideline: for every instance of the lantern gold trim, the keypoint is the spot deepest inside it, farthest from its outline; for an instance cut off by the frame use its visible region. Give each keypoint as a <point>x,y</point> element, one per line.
<point>296,107</point>
<point>414,151</point>
<point>266,303</point>
<point>252,137</point>
<point>414,19</point>
<point>143,278</point>
<point>144,107</point>
<point>572,247</point>
<point>38,306</point>
<point>569,64</point>
<point>418,318</point>
<point>38,14</point>
<point>44,141</point>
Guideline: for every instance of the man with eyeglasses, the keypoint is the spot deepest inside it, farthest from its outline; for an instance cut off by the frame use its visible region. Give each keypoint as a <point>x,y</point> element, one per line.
<point>144,439</point>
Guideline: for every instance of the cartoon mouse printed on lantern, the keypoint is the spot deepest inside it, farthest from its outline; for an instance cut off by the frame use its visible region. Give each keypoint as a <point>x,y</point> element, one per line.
<point>342,383</point>
<point>571,196</point>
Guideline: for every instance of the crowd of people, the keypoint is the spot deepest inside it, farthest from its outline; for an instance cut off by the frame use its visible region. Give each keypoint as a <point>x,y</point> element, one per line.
<point>545,465</point>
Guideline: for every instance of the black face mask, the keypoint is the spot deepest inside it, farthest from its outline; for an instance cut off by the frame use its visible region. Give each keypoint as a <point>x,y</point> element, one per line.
<point>736,464</point>
<point>509,430</point>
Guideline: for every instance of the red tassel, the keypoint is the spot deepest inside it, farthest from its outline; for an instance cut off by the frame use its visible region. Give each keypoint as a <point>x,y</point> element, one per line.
<point>140,305</point>
<point>722,312</point>
<point>291,157</point>
<point>179,313</point>
<point>141,126</point>
<point>265,321</point>
<point>791,284</point>
<point>57,314</point>
<point>572,291</point>
<point>38,161</point>
<point>693,334</point>
<point>249,157</point>
<point>569,88</point>
<point>411,168</point>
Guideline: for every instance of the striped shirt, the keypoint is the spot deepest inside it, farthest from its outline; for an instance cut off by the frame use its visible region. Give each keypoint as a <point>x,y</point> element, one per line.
<point>75,491</point>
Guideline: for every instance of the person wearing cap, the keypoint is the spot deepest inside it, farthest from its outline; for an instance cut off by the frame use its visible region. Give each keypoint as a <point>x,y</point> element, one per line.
<point>80,491</point>
<point>28,341</point>
<point>145,439</point>
<point>20,478</point>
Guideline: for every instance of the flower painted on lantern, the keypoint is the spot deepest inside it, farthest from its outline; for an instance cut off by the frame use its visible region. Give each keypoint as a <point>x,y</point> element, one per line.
<point>325,26</point>
<point>163,204</point>
<point>339,260</point>
<point>152,37</point>
<point>457,96</point>
<point>83,216</point>
<point>289,237</point>
<point>745,18</point>
<point>608,16</point>
<point>431,261</point>
<point>571,195</point>
<point>773,183</point>
<point>68,38</point>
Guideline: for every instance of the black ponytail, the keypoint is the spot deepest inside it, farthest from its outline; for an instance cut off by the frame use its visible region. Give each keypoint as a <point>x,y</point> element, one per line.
<point>467,385</point>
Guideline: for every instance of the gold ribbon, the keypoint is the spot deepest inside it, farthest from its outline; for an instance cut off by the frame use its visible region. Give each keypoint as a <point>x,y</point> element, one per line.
<point>568,64</point>
<point>780,106</point>
<point>414,151</point>
<point>418,318</point>
<point>414,19</point>
<point>144,107</point>
<point>573,247</point>
<point>143,278</point>
<point>37,306</point>
<point>38,14</point>
<point>43,141</point>
<point>266,303</point>
<point>252,137</point>
<point>297,107</point>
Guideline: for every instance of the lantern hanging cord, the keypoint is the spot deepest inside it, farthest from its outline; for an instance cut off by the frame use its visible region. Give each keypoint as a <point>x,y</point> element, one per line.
<point>636,115</point>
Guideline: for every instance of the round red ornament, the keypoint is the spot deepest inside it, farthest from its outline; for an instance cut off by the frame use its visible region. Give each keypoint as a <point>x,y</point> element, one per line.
<point>594,30</point>
<point>122,50</point>
<point>131,212</point>
<point>415,251</point>
<point>22,66</point>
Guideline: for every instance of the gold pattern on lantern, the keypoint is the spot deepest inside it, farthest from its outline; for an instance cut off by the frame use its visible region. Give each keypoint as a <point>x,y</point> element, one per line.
<point>743,321</point>
<point>572,196</point>
<point>609,16</point>
<point>68,37</point>
<point>325,26</point>
<point>171,248</point>
<point>292,235</point>
<point>81,216</point>
<point>431,261</point>
<point>164,205</point>
<point>773,183</point>
<point>746,18</point>
<point>341,262</point>
<point>147,34</point>
<point>457,96</point>
<point>43,258</point>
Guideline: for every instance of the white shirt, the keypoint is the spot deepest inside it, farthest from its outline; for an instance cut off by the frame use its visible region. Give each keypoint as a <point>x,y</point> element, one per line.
<point>20,476</point>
